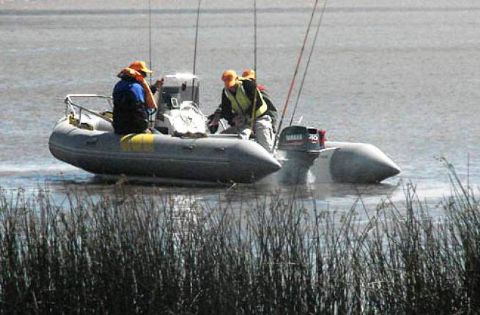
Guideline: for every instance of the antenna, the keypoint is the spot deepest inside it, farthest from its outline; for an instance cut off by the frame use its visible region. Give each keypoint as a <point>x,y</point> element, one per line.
<point>195,49</point>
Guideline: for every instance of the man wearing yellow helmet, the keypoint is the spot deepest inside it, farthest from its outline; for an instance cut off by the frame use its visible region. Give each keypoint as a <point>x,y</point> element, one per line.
<point>238,97</point>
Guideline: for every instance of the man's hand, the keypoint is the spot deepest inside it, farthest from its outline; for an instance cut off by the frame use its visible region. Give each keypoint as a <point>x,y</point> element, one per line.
<point>159,83</point>
<point>213,121</point>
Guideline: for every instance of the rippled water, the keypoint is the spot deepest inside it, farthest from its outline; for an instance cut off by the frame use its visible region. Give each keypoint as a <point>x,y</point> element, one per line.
<point>403,76</point>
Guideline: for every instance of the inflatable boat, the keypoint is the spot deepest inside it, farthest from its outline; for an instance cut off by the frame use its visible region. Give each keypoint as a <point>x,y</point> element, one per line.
<point>182,150</point>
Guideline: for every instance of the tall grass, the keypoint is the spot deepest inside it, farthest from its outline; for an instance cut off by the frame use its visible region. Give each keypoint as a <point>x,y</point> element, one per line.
<point>135,254</point>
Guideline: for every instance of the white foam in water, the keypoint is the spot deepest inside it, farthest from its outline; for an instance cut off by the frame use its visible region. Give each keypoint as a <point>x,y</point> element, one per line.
<point>311,178</point>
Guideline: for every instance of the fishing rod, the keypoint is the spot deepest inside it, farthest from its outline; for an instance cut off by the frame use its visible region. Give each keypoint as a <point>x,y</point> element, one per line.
<point>150,36</point>
<point>308,61</point>
<point>254,105</point>
<point>255,36</point>
<point>292,83</point>
<point>195,49</point>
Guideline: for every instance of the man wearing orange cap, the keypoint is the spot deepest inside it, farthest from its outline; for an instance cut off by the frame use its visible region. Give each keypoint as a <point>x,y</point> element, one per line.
<point>132,96</point>
<point>249,74</point>
<point>238,97</point>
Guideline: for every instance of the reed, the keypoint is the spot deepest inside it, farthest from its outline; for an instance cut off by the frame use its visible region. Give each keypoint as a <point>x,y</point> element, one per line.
<point>132,253</point>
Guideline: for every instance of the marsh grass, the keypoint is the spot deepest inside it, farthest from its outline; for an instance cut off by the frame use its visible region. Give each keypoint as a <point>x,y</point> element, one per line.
<point>127,253</point>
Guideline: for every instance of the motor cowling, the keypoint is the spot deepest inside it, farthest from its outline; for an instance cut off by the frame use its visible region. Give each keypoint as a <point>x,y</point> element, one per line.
<point>299,147</point>
<point>301,138</point>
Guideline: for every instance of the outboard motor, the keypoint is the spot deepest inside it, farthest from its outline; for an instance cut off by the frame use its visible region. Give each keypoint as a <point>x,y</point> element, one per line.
<point>299,146</point>
<point>178,111</point>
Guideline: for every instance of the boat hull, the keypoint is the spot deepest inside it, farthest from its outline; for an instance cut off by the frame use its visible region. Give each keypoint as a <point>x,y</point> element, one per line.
<point>360,163</point>
<point>213,159</point>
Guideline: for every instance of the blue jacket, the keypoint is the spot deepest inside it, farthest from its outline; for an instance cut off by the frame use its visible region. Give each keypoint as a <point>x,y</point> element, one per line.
<point>129,109</point>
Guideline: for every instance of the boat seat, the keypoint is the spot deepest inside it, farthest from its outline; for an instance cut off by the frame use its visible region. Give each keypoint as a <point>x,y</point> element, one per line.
<point>183,119</point>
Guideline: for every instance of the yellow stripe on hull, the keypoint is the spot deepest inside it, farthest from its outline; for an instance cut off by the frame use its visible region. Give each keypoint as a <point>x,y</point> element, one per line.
<point>137,143</point>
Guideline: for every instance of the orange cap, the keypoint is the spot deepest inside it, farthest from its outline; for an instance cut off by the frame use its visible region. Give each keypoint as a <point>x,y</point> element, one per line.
<point>229,77</point>
<point>249,74</point>
<point>140,66</point>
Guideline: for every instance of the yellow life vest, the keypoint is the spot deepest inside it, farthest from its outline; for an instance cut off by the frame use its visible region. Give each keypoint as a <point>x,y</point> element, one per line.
<point>241,103</point>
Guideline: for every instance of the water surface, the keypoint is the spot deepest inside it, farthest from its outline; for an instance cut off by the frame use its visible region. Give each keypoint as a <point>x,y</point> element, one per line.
<point>401,75</point>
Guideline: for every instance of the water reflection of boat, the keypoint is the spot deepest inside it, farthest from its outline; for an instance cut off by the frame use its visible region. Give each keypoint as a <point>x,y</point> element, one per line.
<point>183,151</point>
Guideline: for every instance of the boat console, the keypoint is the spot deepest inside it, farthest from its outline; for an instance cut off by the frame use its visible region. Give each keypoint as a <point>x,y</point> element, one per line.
<point>178,109</point>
